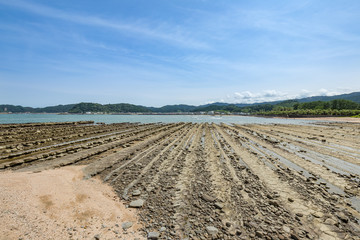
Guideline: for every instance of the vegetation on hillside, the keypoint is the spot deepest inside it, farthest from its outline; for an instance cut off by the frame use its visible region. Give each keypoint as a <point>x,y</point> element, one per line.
<point>21,109</point>
<point>290,108</point>
<point>108,108</point>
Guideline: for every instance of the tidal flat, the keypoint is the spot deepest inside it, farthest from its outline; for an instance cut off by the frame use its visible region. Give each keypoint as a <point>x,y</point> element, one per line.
<point>187,180</point>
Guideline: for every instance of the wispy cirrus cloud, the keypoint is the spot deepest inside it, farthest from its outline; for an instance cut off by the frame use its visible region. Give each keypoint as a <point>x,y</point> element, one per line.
<point>157,31</point>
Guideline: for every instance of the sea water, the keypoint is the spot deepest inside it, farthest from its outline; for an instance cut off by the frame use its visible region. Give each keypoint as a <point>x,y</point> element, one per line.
<point>33,118</point>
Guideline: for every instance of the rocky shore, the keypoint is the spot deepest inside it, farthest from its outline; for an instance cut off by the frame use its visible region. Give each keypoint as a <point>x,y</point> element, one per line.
<point>181,181</point>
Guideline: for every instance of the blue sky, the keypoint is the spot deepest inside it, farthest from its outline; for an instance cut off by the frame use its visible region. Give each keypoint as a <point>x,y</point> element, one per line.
<point>162,52</point>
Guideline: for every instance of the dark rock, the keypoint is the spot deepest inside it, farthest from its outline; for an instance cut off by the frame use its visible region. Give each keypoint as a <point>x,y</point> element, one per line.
<point>274,203</point>
<point>259,234</point>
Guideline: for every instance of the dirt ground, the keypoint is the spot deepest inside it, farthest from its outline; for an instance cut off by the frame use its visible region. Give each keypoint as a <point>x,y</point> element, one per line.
<point>186,180</point>
<point>59,204</point>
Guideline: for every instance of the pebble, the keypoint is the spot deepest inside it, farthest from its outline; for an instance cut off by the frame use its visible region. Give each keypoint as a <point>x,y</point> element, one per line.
<point>137,203</point>
<point>318,214</point>
<point>208,198</point>
<point>330,221</point>
<point>136,192</point>
<point>274,203</point>
<point>97,237</point>
<point>153,235</point>
<point>219,205</point>
<point>342,217</point>
<point>126,225</point>
<point>259,234</point>
<point>286,229</point>
<point>212,230</point>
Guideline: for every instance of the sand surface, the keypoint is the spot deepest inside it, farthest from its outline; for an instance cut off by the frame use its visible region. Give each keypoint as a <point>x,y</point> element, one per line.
<point>194,181</point>
<point>335,119</point>
<point>59,204</point>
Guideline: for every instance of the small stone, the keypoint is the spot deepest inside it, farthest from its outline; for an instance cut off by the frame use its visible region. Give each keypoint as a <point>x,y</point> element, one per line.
<point>219,205</point>
<point>259,234</point>
<point>294,236</point>
<point>330,221</point>
<point>208,198</point>
<point>286,229</point>
<point>162,229</point>
<point>153,235</point>
<point>212,230</point>
<point>299,214</point>
<point>136,192</point>
<point>97,237</point>
<point>342,217</point>
<point>274,203</point>
<point>126,225</point>
<point>137,203</point>
<point>228,224</point>
<point>290,200</point>
<point>318,214</point>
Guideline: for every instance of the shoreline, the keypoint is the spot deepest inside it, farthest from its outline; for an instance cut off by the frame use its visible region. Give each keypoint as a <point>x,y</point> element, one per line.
<point>326,119</point>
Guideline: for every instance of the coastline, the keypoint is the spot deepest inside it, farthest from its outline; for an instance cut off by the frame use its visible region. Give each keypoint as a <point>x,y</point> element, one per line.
<point>326,119</point>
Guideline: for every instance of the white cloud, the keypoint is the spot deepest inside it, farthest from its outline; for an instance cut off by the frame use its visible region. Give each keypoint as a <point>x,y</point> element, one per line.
<point>273,95</point>
<point>264,96</point>
<point>325,92</point>
<point>157,31</point>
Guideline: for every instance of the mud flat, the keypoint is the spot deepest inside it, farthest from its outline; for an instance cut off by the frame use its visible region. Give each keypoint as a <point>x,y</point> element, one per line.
<point>198,181</point>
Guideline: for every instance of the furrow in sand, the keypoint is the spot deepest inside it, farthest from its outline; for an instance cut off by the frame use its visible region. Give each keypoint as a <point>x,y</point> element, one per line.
<point>109,161</point>
<point>332,134</point>
<point>256,209</point>
<point>320,145</point>
<point>147,178</point>
<point>306,168</point>
<point>338,163</point>
<point>160,206</point>
<point>80,156</point>
<point>149,165</point>
<point>80,149</point>
<point>307,183</point>
<point>208,181</point>
<point>286,192</point>
<point>54,139</point>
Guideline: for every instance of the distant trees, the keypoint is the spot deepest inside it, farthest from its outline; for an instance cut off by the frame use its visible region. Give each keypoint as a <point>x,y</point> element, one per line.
<point>108,108</point>
<point>338,107</point>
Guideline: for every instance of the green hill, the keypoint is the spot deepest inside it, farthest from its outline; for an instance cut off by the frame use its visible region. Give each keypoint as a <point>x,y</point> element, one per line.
<point>226,107</point>
<point>108,108</point>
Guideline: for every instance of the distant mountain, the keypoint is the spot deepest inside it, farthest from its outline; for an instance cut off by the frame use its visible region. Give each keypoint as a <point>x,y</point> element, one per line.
<point>127,108</point>
<point>173,108</point>
<point>355,96</point>
<point>108,108</point>
<point>51,109</point>
<point>55,109</point>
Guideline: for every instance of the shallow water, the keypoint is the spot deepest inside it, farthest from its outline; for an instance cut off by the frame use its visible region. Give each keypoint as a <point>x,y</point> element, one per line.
<point>31,118</point>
